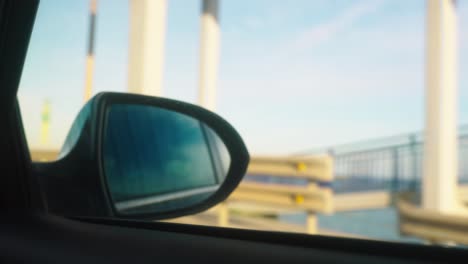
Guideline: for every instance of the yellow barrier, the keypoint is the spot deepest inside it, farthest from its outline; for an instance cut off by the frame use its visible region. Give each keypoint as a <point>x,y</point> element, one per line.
<point>44,155</point>
<point>430,225</point>
<point>311,198</point>
<point>316,168</point>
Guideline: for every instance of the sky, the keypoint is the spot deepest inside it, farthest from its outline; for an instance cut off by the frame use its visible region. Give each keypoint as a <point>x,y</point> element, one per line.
<point>293,75</point>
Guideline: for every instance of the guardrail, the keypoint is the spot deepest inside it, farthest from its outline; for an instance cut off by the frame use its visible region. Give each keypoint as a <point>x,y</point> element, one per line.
<point>312,168</point>
<point>44,154</point>
<point>432,226</point>
<point>315,196</point>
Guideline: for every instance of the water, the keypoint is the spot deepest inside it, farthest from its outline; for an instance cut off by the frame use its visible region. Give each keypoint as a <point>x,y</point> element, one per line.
<point>381,224</point>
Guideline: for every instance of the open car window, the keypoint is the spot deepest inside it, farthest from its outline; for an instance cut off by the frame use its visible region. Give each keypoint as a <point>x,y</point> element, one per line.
<point>329,96</point>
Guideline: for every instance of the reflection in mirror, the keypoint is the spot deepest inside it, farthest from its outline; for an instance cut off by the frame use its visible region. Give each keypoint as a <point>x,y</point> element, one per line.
<point>158,160</point>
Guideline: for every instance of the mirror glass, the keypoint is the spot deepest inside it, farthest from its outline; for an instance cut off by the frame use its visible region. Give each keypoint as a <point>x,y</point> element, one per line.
<point>157,160</point>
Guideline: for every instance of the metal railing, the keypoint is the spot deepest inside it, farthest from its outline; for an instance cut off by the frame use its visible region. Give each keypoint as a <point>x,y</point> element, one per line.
<point>393,164</point>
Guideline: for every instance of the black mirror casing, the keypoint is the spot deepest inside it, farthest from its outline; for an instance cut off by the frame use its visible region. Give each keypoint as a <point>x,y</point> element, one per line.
<point>75,184</point>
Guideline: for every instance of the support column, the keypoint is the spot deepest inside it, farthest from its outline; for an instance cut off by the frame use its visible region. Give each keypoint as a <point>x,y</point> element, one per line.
<point>440,149</point>
<point>209,54</point>
<point>311,223</point>
<point>89,71</point>
<point>147,42</point>
<point>223,214</point>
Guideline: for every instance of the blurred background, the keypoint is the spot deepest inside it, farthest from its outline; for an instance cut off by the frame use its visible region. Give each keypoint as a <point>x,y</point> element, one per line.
<point>335,99</point>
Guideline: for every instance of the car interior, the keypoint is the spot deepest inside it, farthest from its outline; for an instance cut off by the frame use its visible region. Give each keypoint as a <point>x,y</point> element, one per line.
<point>33,229</point>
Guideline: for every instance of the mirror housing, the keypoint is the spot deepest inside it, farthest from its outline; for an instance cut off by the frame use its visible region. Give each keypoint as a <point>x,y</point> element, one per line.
<point>76,183</point>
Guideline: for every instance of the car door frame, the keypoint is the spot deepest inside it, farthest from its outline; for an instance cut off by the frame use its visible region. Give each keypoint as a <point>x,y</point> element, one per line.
<point>20,192</point>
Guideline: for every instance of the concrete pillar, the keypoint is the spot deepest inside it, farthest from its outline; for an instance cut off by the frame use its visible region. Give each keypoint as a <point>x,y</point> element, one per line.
<point>440,149</point>
<point>209,54</point>
<point>146,47</point>
<point>89,71</point>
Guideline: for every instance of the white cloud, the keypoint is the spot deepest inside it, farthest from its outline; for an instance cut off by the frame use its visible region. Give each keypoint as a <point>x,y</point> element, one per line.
<point>300,96</point>
<point>328,29</point>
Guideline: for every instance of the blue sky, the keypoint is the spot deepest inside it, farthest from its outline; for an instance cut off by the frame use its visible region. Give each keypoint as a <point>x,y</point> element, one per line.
<point>294,75</point>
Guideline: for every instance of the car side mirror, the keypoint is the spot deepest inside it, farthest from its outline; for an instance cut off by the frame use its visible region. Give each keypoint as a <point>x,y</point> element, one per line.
<point>135,156</point>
